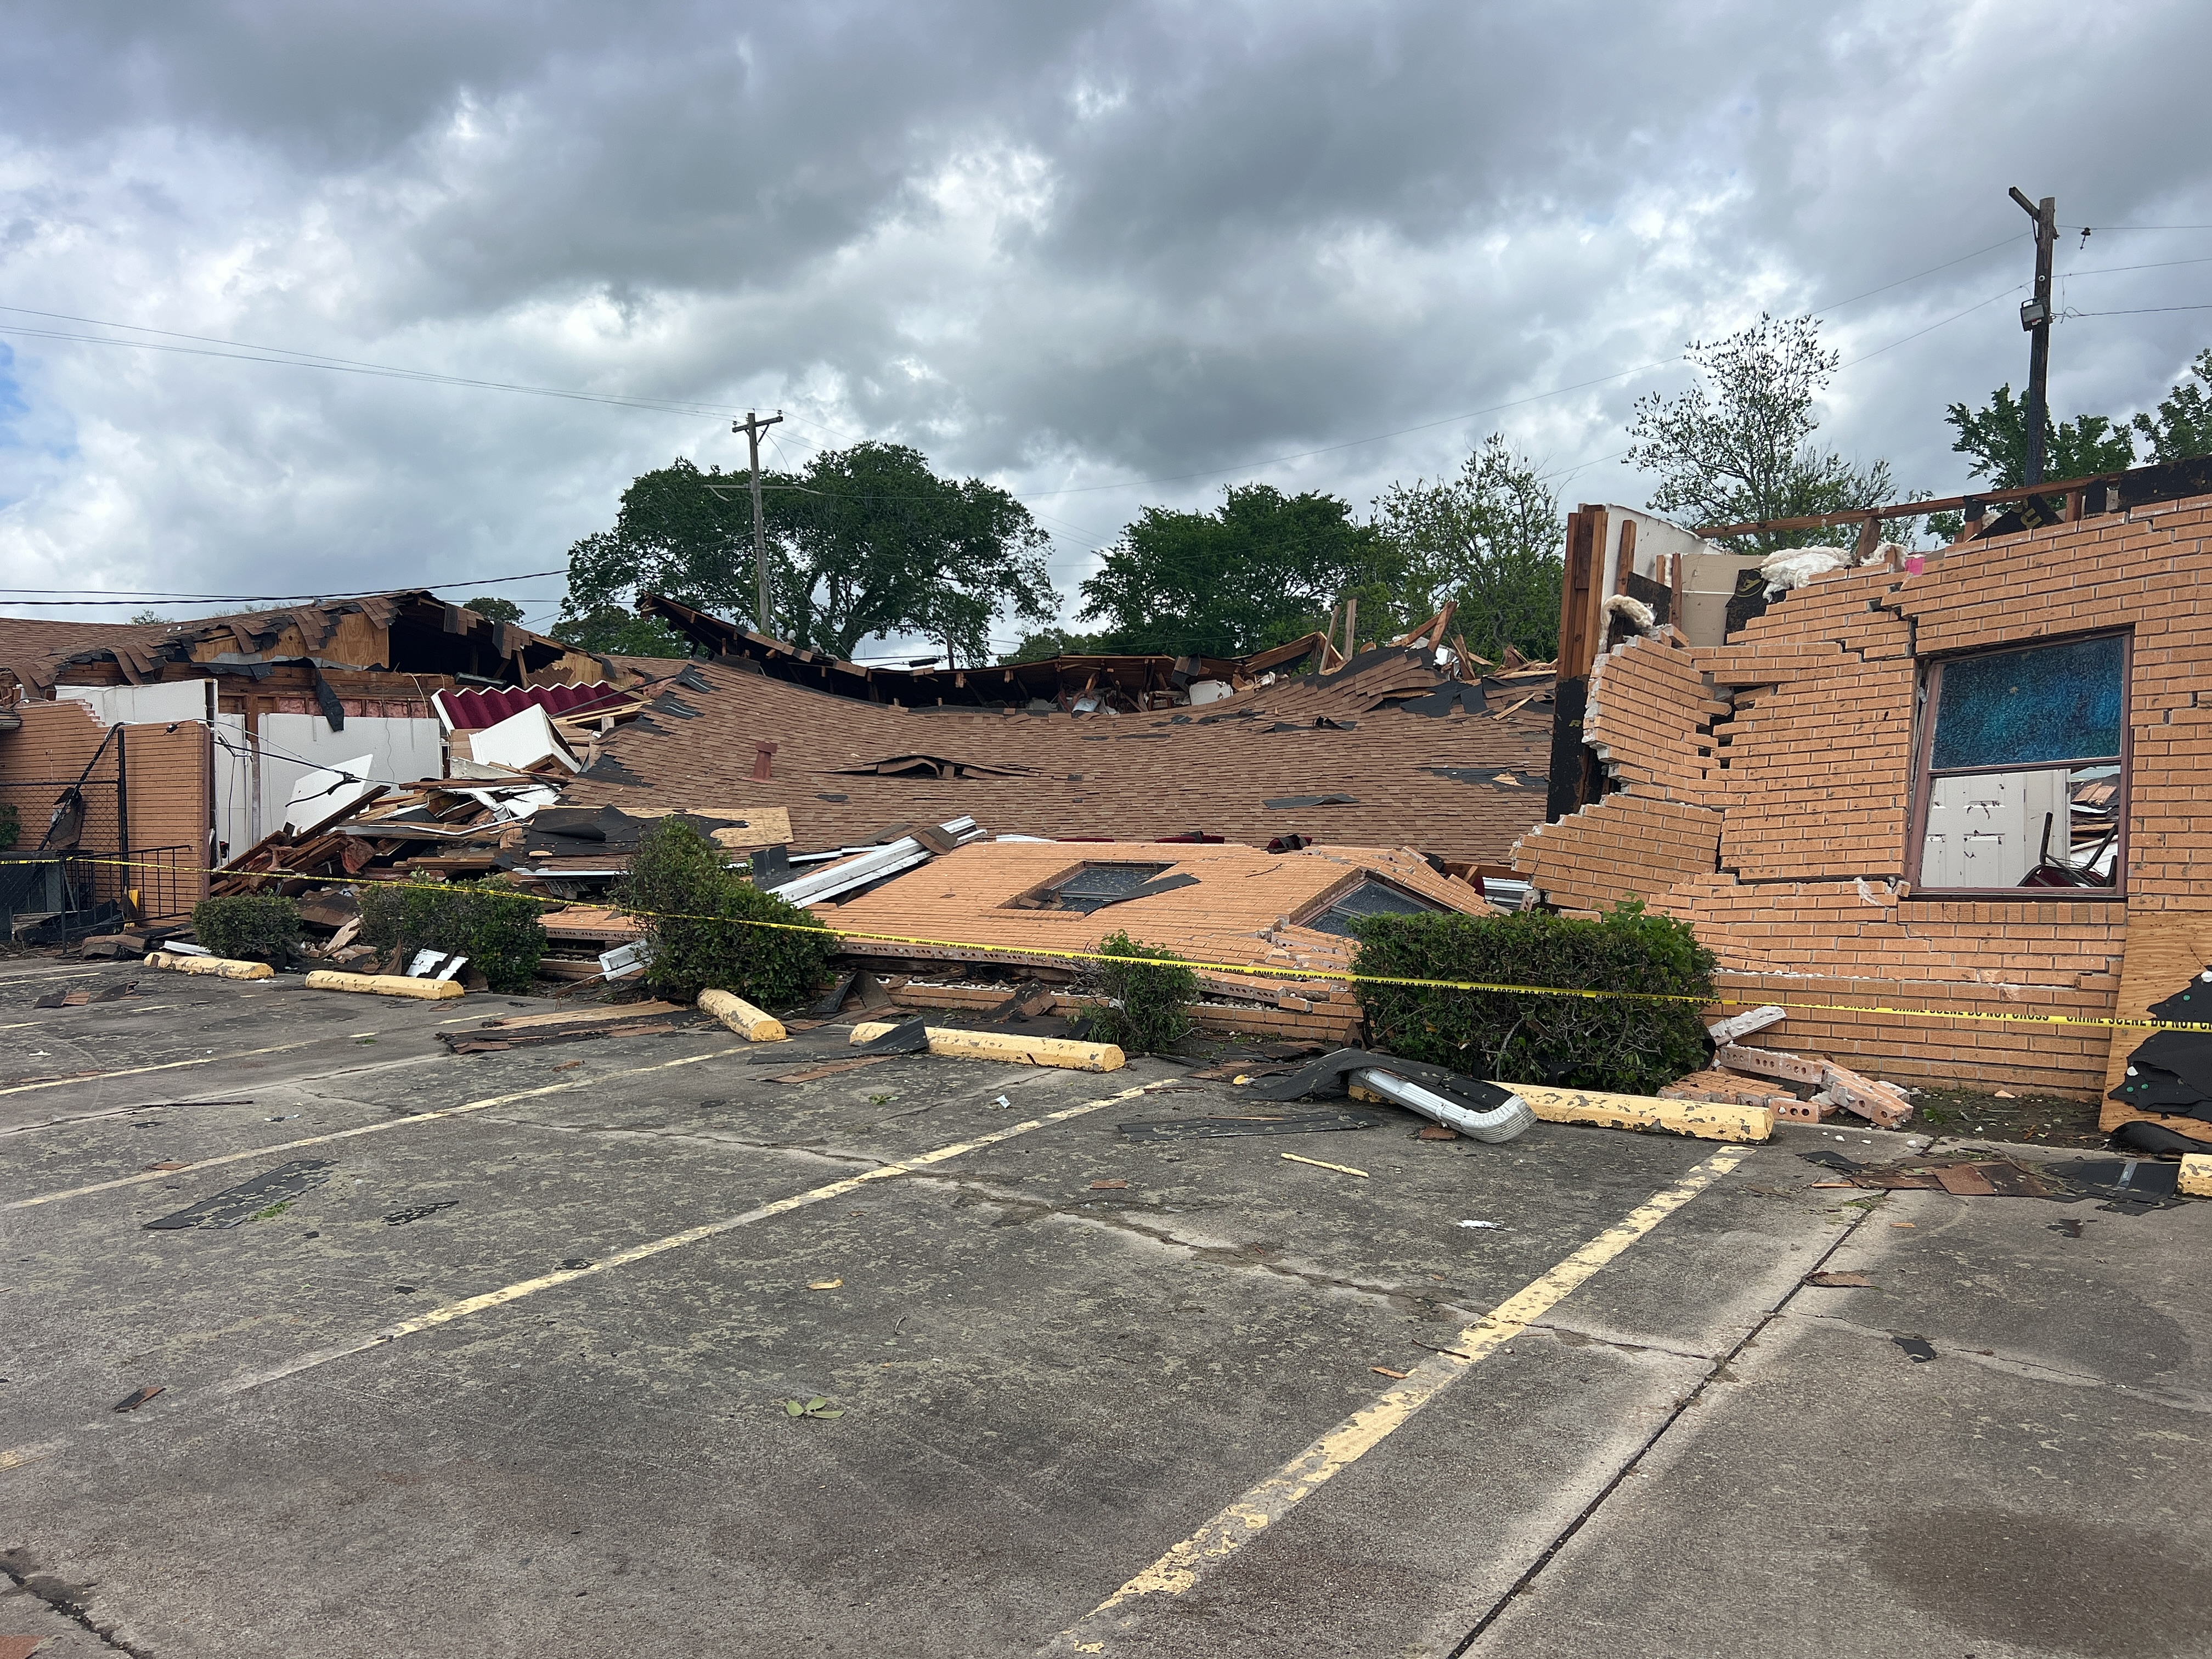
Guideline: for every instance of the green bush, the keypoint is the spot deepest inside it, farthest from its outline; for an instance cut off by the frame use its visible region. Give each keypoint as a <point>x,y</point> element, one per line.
<point>695,909</point>
<point>494,926</point>
<point>1581,1042</point>
<point>259,927</point>
<point>11,825</point>
<point>1149,996</point>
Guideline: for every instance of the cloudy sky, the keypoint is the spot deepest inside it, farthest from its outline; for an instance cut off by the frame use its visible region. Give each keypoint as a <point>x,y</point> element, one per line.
<point>1102,253</point>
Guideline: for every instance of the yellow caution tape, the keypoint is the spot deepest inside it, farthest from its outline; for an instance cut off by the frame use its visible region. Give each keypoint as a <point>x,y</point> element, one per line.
<point>1260,970</point>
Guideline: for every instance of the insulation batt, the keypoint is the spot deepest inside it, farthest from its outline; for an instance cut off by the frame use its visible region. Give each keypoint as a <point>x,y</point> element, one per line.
<point>1795,566</point>
<point>1636,614</point>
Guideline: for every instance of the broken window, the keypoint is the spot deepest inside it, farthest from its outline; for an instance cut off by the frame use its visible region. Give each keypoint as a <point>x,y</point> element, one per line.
<point>2021,783</point>
<point>1094,886</point>
<point>1369,897</point>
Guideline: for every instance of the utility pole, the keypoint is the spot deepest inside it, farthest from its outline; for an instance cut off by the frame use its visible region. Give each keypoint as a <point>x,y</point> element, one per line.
<point>2035,317</point>
<point>752,426</point>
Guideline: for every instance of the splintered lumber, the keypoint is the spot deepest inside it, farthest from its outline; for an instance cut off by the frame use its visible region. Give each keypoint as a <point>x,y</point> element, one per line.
<point>753,1025</point>
<point>1063,1052</point>
<point>220,967</point>
<point>1707,1120</point>
<point>2196,1178</point>
<point>385,985</point>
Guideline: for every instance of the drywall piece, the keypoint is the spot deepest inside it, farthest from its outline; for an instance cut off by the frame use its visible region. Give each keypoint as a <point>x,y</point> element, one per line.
<point>2196,1177</point>
<point>1205,691</point>
<point>143,705</point>
<point>326,791</point>
<point>521,740</point>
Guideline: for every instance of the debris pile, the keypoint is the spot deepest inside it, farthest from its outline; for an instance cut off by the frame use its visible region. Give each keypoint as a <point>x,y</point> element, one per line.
<point>1747,1076</point>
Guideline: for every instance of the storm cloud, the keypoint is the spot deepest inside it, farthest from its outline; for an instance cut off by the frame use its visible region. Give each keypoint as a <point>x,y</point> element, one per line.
<point>1104,254</point>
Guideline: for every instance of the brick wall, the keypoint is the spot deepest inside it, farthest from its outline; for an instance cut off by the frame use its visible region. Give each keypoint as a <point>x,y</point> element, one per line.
<point>169,804</point>
<point>1809,770</point>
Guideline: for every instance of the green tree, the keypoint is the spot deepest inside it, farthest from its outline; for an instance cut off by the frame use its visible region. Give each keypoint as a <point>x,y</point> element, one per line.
<point>2183,426</point>
<point>1045,642</point>
<point>1261,568</point>
<point>619,632</point>
<point>492,610</point>
<point>1738,446</point>
<point>1995,436</point>
<point>1492,539</point>
<point>864,543</point>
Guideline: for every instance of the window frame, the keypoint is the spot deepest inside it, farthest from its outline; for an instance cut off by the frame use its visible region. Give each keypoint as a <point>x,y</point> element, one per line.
<point>1928,698</point>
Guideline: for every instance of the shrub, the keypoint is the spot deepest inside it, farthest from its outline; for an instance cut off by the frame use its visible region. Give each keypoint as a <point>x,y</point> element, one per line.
<point>494,926</point>
<point>261,927</point>
<point>11,825</point>
<point>696,910</point>
<point>1150,994</point>
<point>1582,1042</point>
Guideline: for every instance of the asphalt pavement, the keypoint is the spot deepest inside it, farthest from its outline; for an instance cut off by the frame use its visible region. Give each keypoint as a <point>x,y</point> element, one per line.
<point>516,1373</point>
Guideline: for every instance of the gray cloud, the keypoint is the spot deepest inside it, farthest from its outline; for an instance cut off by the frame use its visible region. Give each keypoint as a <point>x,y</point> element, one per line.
<point>1066,246</point>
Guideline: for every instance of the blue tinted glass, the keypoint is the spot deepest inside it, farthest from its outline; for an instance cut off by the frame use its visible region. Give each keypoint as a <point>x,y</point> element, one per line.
<point>2057,703</point>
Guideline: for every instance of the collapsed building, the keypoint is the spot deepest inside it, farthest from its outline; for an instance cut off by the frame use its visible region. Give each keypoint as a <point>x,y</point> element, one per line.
<point>1967,785</point>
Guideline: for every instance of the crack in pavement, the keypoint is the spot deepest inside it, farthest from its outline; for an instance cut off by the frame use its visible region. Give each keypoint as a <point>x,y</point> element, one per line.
<point>2032,1371</point>
<point>66,1600</point>
<point>1718,1370</point>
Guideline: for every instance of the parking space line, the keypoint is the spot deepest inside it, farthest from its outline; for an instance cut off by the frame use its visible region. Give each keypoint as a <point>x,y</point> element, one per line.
<point>171,1066</point>
<point>474,1304</point>
<point>348,1134</point>
<point>1245,1519</point>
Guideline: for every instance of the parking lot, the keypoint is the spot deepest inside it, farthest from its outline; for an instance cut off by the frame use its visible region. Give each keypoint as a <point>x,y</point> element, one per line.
<point>518,1376</point>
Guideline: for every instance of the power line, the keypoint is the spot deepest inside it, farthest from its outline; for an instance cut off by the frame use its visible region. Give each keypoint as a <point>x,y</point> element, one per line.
<point>2137,311</point>
<point>135,596</point>
<point>1824,310</point>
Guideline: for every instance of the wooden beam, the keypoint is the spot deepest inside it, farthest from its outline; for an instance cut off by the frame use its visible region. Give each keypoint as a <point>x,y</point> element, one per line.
<point>1626,562</point>
<point>1912,509</point>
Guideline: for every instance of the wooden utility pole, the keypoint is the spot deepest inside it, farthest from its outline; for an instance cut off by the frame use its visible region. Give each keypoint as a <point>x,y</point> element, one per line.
<point>2035,317</point>
<point>752,426</point>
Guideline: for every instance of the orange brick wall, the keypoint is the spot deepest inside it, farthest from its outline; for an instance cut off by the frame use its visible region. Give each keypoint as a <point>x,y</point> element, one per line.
<point>167,786</point>
<point>1810,773</point>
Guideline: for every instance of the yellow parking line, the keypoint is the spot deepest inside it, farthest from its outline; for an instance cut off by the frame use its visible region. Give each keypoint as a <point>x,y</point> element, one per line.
<point>1244,1520</point>
<point>347,1135</point>
<point>514,1293</point>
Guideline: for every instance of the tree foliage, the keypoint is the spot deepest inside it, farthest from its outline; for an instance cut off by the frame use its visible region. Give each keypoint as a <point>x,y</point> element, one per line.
<point>2183,425</point>
<point>1489,539</point>
<point>863,542</point>
<point>494,927</point>
<point>1634,1042</point>
<point>711,929</point>
<point>1261,568</point>
<point>1995,436</point>
<point>494,610</point>
<point>1149,995</point>
<point>1738,446</point>
<point>619,631</point>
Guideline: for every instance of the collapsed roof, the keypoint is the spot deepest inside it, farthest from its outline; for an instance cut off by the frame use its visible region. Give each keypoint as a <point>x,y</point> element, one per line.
<point>408,630</point>
<point>1387,751</point>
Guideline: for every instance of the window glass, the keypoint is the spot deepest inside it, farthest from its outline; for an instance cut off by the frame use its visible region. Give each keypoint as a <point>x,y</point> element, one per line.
<point>2054,827</point>
<point>1370,898</point>
<point>2052,704</point>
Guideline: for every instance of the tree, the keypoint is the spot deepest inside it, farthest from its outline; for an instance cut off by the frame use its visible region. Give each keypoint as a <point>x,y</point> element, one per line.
<point>1995,436</point>
<point>148,618</point>
<point>1261,568</point>
<point>619,632</point>
<point>2183,426</point>
<point>863,542</point>
<point>1738,448</point>
<point>1492,539</point>
<point>491,610</point>
<point>1047,642</point>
